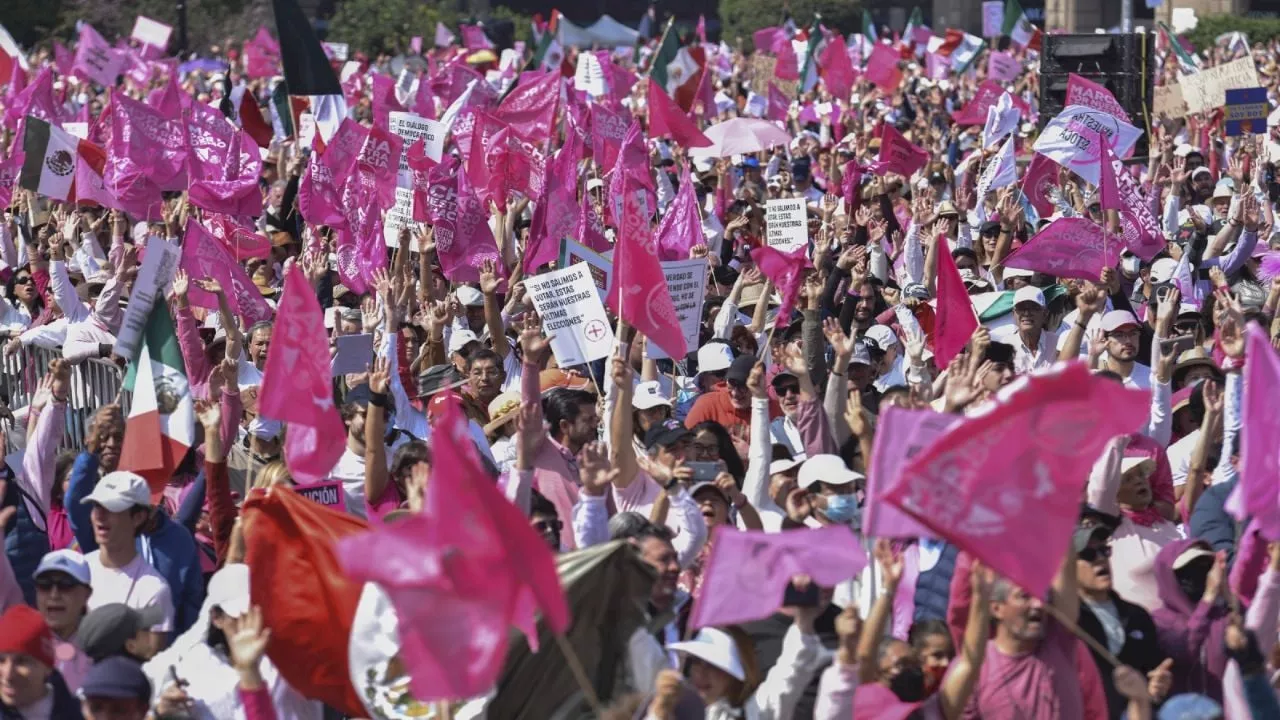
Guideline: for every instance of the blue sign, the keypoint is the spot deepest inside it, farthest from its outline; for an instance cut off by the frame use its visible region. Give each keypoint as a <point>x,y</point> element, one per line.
<point>1246,111</point>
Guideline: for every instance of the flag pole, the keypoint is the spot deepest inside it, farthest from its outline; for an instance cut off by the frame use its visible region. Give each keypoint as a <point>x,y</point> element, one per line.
<point>580,675</point>
<point>662,40</point>
<point>1088,639</point>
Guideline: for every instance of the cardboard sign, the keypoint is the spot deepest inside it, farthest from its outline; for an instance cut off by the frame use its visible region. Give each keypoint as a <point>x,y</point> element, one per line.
<point>687,283</point>
<point>1003,67</point>
<point>573,316</point>
<point>601,268</point>
<point>151,32</point>
<point>787,224</point>
<point>399,216</point>
<point>992,18</point>
<point>1208,88</point>
<point>1246,111</point>
<point>761,73</point>
<point>328,493</point>
<point>411,128</point>
<point>1168,101</point>
<point>159,262</point>
<point>355,354</point>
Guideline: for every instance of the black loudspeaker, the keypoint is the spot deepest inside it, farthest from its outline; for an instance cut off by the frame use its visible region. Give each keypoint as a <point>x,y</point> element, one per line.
<point>1124,64</point>
<point>501,32</point>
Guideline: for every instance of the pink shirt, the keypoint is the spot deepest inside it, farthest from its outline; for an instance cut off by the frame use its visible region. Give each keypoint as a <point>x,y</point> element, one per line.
<point>389,501</point>
<point>1040,685</point>
<point>71,663</point>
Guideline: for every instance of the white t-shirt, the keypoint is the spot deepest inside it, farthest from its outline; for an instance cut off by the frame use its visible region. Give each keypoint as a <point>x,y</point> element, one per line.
<point>137,585</point>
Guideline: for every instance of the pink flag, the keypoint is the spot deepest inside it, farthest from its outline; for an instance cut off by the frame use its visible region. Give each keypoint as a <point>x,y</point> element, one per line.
<point>96,60</point>
<point>788,67</point>
<point>779,105</point>
<point>666,118</point>
<point>554,217</point>
<point>1108,193</point>
<point>765,38</point>
<point>10,169</point>
<point>837,70</point>
<point>787,271</point>
<point>239,194</point>
<point>608,128</point>
<point>530,109</point>
<point>619,79</point>
<point>261,55</point>
<point>681,227</point>
<point>474,38</point>
<point>882,68</point>
<point>379,162</point>
<point>443,38</point>
<point>590,228</point>
<point>1069,248</point>
<point>424,103</point>
<point>296,386</point>
<point>420,165</point>
<point>460,573</point>
<point>63,59</point>
<point>35,100</point>
<point>148,143</point>
<point>638,292</point>
<point>320,192</point>
<point>1257,494</point>
<point>1003,67</point>
<point>17,81</point>
<point>1042,174</point>
<point>203,255</point>
<point>511,165</point>
<point>238,238</point>
<point>900,435</point>
<point>1083,91</point>
<point>1017,472</point>
<point>1142,234</point>
<point>938,66</point>
<point>463,238</point>
<point>169,100</point>
<point>988,93</point>
<point>701,29</point>
<point>704,98</point>
<point>475,155</point>
<point>956,320</point>
<point>210,136</point>
<point>384,99</point>
<point>746,575</point>
<point>851,182</point>
<point>897,154</point>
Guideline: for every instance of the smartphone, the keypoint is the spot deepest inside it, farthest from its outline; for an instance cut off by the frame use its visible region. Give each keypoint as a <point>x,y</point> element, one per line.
<point>704,471</point>
<point>800,598</point>
<point>1177,345</point>
<point>1162,291</point>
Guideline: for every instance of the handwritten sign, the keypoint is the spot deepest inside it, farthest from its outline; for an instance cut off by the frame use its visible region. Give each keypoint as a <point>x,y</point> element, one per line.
<point>786,223</point>
<point>572,314</point>
<point>687,283</point>
<point>1247,111</point>
<point>328,494</point>
<point>1168,101</point>
<point>1002,66</point>
<point>1207,89</point>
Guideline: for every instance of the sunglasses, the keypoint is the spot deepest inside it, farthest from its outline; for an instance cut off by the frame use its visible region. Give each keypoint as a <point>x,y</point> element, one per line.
<point>1091,554</point>
<point>787,389</point>
<point>63,584</point>
<point>545,526</point>
<point>23,280</point>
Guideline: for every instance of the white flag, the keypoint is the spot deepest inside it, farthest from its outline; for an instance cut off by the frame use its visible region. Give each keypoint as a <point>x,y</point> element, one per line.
<point>1002,119</point>
<point>1072,139</point>
<point>1002,170</point>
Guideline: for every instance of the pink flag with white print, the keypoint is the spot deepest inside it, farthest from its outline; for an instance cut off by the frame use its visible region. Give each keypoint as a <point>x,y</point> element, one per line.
<point>1083,91</point>
<point>95,59</point>
<point>956,320</point>
<point>320,192</point>
<point>619,80</point>
<point>1042,174</point>
<point>608,128</point>
<point>1257,494</point>
<point>145,142</point>
<point>590,227</point>
<point>1016,472</point>
<point>681,227</point>
<point>530,109</point>
<point>237,237</point>
<point>787,271</point>
<point>1068,247</point>
<point>240,193</point>
<point>1119,191</point>
<point>555,216</point>
<point>460,573</point>
<point>463,237</point>
<point>203,255</point>
<point>297,387</point>
<point>475,155</point>
<point>746,575</point>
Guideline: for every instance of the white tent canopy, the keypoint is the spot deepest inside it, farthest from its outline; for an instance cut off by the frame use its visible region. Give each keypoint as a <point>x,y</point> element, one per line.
<point>605,32</point>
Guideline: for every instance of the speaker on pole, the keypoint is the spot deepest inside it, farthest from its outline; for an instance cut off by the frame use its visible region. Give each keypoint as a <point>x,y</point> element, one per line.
<point>1124,64</point>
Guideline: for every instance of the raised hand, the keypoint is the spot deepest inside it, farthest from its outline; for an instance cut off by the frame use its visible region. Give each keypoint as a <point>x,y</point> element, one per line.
<point>841,343</point>
<point>380,376</point>
<point>489,280</point>
<point>533,343</point>
<point>209,413</point>
<point>247,641</point>
<point>597,472</point>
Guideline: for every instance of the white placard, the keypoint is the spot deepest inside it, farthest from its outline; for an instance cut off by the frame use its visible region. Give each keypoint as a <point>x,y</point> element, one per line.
<point>398,216</point>
<point>787,224</point>
<point>151,32</point>
<point>572,251</point>
<point>159,262</point>
<point>411,128</point>
<point>306,130</point>
<point>572,314</point>
<point>337,51</point>
<point>687,283</point>
<point>589,76</point>
<point>355,353</point>
<point>79,129</point>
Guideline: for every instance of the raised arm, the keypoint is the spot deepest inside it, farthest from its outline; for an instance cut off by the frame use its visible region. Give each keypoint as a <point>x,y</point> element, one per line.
<point>1089,302</point>
<point>49,417</point>
<point>621,448</point>
<point>963,675</point>
<point>489,283</point>
<point>376,476</point>
<point>891,566</point>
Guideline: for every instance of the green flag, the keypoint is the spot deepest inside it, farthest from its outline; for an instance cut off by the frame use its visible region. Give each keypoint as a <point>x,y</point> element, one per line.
<point>868,27</point>
<point>809,68</point>
<point>668,50</point>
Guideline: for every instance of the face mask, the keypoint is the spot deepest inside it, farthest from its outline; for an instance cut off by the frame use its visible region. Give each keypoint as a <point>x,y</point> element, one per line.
<point>1192,584</point>
<point>842,508</point>
<point>908,685</point>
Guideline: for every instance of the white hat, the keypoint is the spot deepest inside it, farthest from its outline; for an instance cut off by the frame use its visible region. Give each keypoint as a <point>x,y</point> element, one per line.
<point>1136,461</point>
<point>64,561</point>
<point>829,469</point>
<point>1017,272</point>
<point>1185,149</point>
<point>782,465</point>
<point>459,339</point>
<point>648,395</point>
<point>229,589</point>
<point>882,336</point>
<point>714,647</point>
<point>1162,270</point>
<point>594,183</point>
<point>1222,191</point>
<point>265,429</point>
<point>714,357</point>
<point>1186,308</point>
<point>469,296</point>
<point>1028,293</point>
<point>1194,552</point>
<point>120,490</point>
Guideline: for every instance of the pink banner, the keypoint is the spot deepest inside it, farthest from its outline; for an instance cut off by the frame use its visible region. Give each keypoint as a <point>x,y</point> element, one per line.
<point>900,435</point>
<point>882,68</point>
<point>463,238</point>
<point>1003,67</point>
<point>1068,248</point>
<point>204,256</point>
<point>96,60</point>
<point>1083,91</point>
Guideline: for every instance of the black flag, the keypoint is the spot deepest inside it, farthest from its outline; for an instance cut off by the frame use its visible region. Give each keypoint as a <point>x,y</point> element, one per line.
<point>306,68</point>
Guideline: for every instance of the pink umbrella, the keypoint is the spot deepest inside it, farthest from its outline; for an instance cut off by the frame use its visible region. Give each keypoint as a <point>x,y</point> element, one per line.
<point>740,136</point>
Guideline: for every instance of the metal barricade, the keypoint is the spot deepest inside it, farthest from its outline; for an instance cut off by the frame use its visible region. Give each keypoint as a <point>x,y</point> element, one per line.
<point>94,383</point>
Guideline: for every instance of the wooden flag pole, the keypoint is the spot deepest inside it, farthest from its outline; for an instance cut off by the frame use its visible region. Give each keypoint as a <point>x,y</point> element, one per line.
<point>579,674</point>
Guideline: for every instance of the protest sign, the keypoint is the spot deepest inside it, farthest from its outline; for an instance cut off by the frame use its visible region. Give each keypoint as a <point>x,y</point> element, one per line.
<point>763,70</point>
<point>1207,89</point>
<point>1083,91</point>
<point>1246,111</point>
<point>573,316</point>
<point>307,130</point>
<point>151,32</point>
<point>786,223</point>
<point>1072,139</point>
<point>159,263</point>
<point>1003,67</point>
<point>992,18</point>
<point>572,251</point>
<point>1168,101</point>
<point>337,51</point>
<point>327,493</point>
<point>411,128</point>
<point>687,283</point>
<point>355,352</point>
<point>399,216</point>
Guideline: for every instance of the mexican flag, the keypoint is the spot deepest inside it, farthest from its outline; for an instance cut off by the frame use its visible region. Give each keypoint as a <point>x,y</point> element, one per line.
<point>1188,62</point>
<point>49,168</point>
<point>868,27</point>
<point>677,68</point>
<point>161,425</point>
<point>1016,25</point>
<point>809,65</point>
<point>547,52</point>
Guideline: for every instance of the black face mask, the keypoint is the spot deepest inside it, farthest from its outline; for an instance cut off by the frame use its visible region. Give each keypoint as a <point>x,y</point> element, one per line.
<point>1192,579</point>
<point>908,684</point>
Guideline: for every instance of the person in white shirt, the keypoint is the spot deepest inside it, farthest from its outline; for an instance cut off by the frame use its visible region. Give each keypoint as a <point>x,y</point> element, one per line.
<point>1123,334</point>
<point>121,505</point>
<point>1033,346</point>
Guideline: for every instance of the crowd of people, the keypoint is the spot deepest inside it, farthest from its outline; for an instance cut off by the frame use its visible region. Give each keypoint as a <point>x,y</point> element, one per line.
<point>124,595</point>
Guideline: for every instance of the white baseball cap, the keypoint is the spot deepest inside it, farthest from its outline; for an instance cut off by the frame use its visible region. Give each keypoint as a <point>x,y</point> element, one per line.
<point>782,465</point>
<point>829,469</point>
<point>469,296</point>
<point>1162,270</point>
<point>882,336</point>
<point>459,339</point>
<point>1028,293</point>
<point>1017,272</point>
<point>648,395</point>
<point>229,589</point>
<point>594,183</point>
<point>714,357</point>
<point>714,647</point>
<point>120,490</point>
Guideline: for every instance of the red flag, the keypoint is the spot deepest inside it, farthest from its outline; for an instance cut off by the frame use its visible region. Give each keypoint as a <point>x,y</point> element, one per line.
<point>787,271</point>
<point>897,154</point>
<point>956,319</point>
<point>996,479</point>
<point>460,573</point>
<point>666,118</point>
<point>297,387</point>
<point>1042,174</point>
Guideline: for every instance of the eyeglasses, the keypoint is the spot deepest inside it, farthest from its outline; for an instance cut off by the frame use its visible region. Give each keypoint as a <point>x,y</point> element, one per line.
<point>46,584</point>
<point>23,280</point>
<point>788,389</point>
<point>1092,553</point>
<point>546,526</point>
